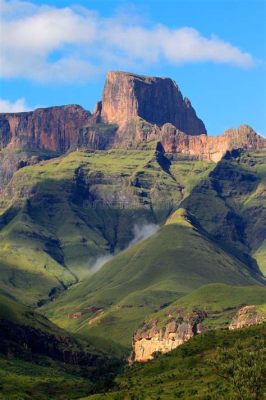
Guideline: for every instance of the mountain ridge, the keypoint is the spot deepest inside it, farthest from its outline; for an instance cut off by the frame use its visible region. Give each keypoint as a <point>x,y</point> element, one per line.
<point>134,112</point>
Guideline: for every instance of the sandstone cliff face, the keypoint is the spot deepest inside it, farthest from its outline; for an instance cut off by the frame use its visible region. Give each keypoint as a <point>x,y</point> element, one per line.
<point>156,100</point>
<point>210,148</point>
<point>135,110</point>
<point>53,129</point>
<point>147,341</point>
<point>180,326</point>
<point>247,316</point>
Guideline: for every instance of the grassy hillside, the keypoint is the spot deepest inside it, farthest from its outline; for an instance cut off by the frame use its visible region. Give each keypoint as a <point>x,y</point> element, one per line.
<point>43,380</point>
<point>176,260</point>
<point>220,303</point>
<point>230,203</point>
<point>38,360</point>
<point>193,371</point>
<point>59,216</point>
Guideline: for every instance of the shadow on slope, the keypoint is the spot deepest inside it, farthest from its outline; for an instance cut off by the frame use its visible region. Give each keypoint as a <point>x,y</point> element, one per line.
<point>179,258</point>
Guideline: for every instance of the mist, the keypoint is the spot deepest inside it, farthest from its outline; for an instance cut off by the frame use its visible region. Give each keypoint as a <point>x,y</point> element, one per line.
<point>100,261</point>
<point>140,233</point>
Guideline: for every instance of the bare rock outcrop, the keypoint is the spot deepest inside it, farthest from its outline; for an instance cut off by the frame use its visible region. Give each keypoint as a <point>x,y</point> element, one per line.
<point>134,112</point>
<point>53,128</point>
<point>151,339</point>
<point>210,148</point>
<point>128,96</point>
<point>247,316</point>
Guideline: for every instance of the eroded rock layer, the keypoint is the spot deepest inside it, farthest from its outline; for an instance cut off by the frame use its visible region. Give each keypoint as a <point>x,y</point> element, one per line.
<point>53,129</point>
<point>163,336</point>
<point>247,316</point>
<point>134,112</point>
<point>150,340</point>
<point>210,148</point>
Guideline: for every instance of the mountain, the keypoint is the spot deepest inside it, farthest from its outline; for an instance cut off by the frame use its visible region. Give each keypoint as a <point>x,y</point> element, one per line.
<point>59,216</point>
<point>134,112</point>
<point>177,259</point>
<point>128,223</point>
<point>231,203</point>
<point>156,100</point>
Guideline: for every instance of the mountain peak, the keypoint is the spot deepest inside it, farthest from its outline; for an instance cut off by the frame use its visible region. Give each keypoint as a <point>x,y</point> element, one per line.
<point>157,100</point>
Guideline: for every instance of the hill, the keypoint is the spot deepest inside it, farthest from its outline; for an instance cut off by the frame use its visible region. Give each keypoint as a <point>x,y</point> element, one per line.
<point>59,216</point>
<point>230,203</point>
<point>179,258</point>
<point>42,361</point>
<point>211,307</point>
<point>215,365</point>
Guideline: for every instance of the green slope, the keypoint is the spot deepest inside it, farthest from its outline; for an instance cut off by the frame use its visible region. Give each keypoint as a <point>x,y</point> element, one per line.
<point>58,216</point>
<point>38,360</point>
<point>193,371</point>
<point>220,302</point>
<point>231,203</point>
<point>176,260</point>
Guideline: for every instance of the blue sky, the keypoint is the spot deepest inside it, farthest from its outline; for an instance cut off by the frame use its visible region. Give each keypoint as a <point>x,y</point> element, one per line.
<point>57,52</point>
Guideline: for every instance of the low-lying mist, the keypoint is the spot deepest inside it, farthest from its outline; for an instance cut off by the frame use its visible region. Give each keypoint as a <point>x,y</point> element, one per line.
<point>140,233</point>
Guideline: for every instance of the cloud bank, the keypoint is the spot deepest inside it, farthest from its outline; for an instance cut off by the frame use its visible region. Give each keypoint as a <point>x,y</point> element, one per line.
<point>7,106</point>
<point>44,43</point>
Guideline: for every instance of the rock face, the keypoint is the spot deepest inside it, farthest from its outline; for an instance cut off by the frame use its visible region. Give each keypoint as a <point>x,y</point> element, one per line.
<point>210,148</point>
<point>53,129</point>
<point>179,327</point>
<point>135,110</point>
<point>149,340</point>
<point>247,316</point>
<point>156,100</point>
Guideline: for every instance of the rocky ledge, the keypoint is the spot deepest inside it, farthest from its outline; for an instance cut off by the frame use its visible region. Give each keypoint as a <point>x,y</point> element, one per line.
<point>247,316</point>
<point>163,336</point>
<point>151,339</point>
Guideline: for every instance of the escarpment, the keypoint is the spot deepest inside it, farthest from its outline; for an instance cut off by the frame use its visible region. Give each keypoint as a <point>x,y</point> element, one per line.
<point>210,148</point>
<point>135,111</point>
<point>179,326</point>
<point>53,129</point>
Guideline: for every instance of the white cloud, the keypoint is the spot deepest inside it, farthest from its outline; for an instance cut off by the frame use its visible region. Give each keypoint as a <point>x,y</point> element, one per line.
<point>17,106</point>
<point>46,43</point>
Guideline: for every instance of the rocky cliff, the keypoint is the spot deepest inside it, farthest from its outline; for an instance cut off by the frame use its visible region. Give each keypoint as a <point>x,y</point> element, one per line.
<point>210,148</point>
<point>53,129</point>
<point>248,316</point>
<point>178,326</point>
<point>156,100</point>
<point>151,339</point>
<point>146,109</point>
<point>134,111</point>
